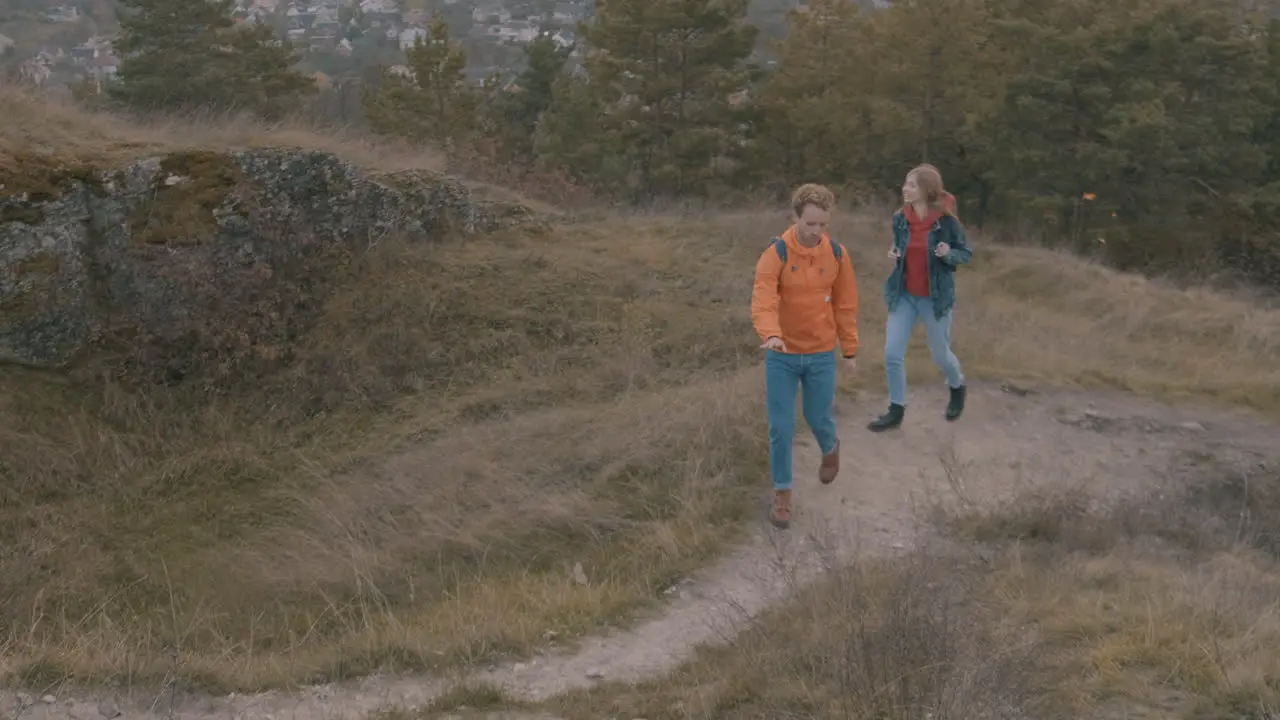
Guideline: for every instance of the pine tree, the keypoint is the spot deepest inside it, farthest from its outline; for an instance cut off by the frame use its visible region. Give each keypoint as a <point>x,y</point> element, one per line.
<point>544,62</point>
<point>189,54</point>
<point>939,81</point>
<point>513,113</point>
<point>571,138</point>
<point>434,103</point>
<point>1151,110</point>
<point>807,115</point>
<point>667,73</point>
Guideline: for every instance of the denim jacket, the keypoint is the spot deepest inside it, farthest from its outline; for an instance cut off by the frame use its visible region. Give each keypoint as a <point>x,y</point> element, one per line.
<point>942,284</point>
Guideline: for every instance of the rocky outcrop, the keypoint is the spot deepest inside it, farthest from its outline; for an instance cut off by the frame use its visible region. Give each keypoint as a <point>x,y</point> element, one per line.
<point>198,256</point>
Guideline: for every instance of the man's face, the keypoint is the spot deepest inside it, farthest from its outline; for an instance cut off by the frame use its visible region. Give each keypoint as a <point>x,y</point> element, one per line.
<point>812,224</point>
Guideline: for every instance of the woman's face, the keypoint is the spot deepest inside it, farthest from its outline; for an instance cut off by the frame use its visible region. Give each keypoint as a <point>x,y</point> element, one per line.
<point>910,190</point>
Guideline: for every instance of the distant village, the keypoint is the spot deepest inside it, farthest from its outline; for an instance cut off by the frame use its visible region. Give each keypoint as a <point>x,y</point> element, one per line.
<point>333,34</point>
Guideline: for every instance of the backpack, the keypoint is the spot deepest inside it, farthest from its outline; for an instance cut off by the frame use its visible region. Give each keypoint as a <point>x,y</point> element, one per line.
<point>780,246</point>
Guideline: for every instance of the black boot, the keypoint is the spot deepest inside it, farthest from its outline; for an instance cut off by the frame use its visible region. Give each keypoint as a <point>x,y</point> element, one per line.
<point>956,406</point>
<point>889,420</point>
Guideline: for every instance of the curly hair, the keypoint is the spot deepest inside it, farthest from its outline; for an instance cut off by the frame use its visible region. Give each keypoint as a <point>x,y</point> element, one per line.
<point>812,194</point>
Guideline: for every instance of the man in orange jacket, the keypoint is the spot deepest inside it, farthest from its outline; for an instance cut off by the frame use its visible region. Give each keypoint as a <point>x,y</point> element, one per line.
<point>804,303</point>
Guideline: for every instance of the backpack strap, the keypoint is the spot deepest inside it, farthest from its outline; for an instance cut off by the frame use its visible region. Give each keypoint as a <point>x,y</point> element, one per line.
<point>780,247</point>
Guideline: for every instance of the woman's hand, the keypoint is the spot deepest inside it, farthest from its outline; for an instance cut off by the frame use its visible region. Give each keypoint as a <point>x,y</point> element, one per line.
<point>893,252</point>
<point>942,249</point>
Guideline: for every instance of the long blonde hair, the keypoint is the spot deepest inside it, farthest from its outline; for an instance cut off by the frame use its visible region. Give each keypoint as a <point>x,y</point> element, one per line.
<point>929,180</point>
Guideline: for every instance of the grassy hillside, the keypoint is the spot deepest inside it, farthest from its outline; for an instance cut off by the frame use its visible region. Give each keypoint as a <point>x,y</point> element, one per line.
<point>1159,608</point>
<point>35,123</point>
<point>42,126</point>
<point>472,420</point>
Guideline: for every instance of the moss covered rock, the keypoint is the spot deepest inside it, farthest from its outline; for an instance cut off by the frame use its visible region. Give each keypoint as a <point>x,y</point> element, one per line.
<point>177,266</point>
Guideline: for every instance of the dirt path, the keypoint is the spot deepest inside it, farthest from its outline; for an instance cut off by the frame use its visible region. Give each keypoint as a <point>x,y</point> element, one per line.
<point>1009,440</point>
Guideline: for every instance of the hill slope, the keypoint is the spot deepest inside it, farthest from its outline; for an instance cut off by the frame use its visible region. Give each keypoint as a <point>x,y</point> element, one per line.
<point>1096,476</point>
<point>467,419</point>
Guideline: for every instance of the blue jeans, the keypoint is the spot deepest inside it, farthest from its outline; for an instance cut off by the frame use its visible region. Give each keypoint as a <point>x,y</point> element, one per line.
<point>898,331</point>
<point>784,375</point>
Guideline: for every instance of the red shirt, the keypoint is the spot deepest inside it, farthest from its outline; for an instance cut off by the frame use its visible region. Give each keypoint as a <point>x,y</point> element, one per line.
<point>917,255</point>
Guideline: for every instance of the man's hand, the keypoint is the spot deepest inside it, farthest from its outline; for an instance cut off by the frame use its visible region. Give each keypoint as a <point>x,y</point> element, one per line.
<point>850,364</point>
<point>942,249</point>
<point>775,343</point>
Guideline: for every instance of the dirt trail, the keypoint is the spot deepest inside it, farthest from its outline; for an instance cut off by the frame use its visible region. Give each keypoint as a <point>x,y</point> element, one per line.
<point>1009,440</point>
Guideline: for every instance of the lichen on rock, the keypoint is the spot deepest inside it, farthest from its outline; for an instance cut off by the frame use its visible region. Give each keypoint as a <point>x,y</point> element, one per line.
<point>186,265</point>
<point>29,180</point>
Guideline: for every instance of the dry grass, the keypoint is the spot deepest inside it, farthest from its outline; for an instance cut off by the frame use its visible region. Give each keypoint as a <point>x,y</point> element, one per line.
<point>38,123</point>
<point>569,397</point>
<point>908,640</point>
<point>561,399</point>
<point>1160,607</point>
<point>469,421</point>
<point>1163,608</point>
<point>1039,315</point>
<point>43,125</point>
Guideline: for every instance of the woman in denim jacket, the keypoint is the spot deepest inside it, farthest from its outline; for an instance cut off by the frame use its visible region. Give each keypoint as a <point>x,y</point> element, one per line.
<point>928,245</point>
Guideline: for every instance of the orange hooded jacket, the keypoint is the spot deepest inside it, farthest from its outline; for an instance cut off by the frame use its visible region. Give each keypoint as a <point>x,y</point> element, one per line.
<point>811,302</point>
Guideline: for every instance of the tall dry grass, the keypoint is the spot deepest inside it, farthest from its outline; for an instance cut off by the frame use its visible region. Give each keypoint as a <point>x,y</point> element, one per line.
<point>1047,316</point>
<point>53,127</point>
<point>1160,606</point>
<point>469,420</point>
<point>38,122</point>
<point>908,639</point>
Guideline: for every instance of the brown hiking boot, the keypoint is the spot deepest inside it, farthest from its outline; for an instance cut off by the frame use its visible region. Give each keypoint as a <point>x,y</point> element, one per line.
<point>830,466</point>
<point>780,513</point>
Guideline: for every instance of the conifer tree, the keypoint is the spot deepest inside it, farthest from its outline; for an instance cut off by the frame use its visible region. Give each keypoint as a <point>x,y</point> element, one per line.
<point>189,54</point>
<point>571,138</point>
<point>667,73</point>
<point>514,110</point>
<point>434,102</point>
<point>808,114</point>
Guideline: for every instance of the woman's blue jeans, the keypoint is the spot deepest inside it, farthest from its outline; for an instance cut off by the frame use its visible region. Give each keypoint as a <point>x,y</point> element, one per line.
<point>902,320</point>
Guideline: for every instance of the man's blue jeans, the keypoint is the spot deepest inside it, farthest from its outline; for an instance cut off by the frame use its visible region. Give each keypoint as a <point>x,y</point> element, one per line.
<point>898,332</point>
<point>784,375</point>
